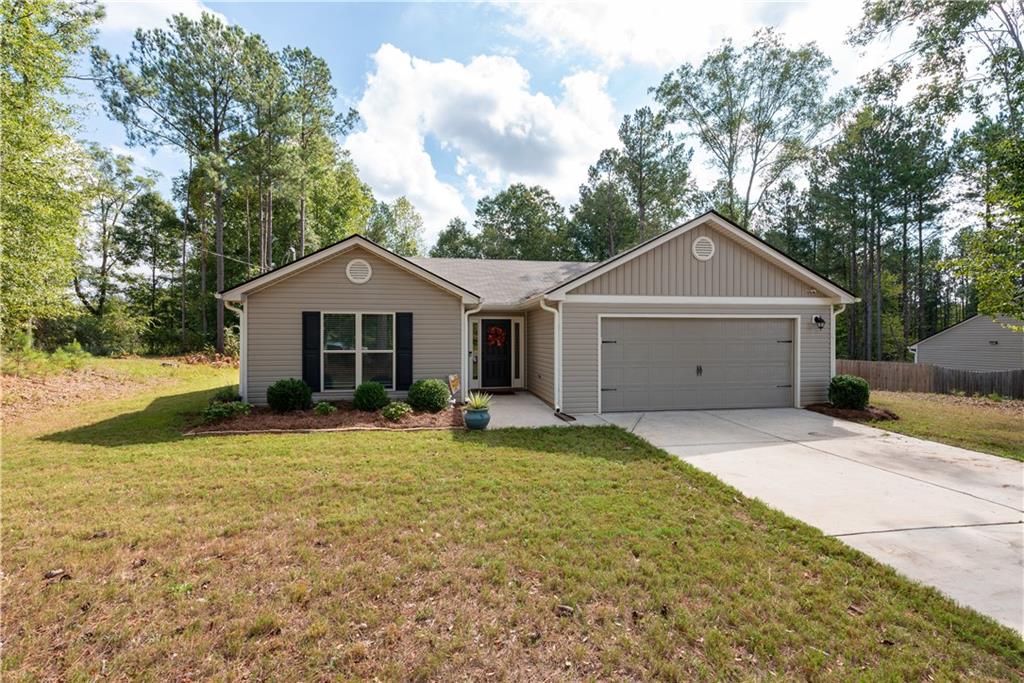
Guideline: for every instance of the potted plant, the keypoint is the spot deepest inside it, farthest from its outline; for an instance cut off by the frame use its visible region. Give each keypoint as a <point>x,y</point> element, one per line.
<point>477,410</point>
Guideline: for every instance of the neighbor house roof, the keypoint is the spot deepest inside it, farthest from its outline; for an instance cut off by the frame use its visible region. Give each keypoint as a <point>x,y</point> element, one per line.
<point>502,282</point>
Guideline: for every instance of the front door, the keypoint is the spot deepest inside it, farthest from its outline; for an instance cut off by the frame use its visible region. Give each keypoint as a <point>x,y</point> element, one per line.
<point>496,353</point>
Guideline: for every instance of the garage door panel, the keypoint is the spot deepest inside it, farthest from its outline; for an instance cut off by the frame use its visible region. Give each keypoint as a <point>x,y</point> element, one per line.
<point>653,363</point>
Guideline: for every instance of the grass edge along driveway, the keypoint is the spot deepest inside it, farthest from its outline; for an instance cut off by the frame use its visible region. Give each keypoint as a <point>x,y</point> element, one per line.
<point>523,554</point>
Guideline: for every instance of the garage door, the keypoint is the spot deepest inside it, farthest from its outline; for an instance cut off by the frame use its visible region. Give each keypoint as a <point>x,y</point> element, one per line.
<point>695,363</point>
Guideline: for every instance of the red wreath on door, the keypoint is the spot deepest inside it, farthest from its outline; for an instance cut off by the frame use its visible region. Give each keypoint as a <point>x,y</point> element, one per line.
<point>496,336</point>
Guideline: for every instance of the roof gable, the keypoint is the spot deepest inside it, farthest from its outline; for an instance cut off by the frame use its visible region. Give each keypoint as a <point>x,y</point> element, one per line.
<point>327,253</point>
<point>787,277</point>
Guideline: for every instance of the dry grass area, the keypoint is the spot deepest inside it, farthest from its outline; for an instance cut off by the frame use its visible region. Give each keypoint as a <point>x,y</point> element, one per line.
<point>550,554</point>
<point>974,422</point>
<point>263,419</point>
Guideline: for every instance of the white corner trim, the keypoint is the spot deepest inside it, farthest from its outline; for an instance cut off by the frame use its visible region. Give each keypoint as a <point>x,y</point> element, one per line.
<point>776,257</point>
<point>796,339</point>
<point>295,267</point>
<point>698,300</point>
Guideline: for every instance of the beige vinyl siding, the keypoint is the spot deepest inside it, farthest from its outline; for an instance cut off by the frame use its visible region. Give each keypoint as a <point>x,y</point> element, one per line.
<point>274,318</point>
<point>580,345</point>
<point>671,270</point>
<point>967,346</point>
<point>540,354</point>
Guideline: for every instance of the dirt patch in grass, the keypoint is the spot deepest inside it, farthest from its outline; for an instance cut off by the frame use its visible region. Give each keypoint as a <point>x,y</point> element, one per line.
<point>1007,406</point>
<point>869,414</point>
<point>27,396</point>
<point>346,417</point>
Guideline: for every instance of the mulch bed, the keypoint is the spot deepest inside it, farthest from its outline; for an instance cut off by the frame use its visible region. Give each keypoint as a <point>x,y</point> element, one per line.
<point>869,414</point>
<point>346,418</point>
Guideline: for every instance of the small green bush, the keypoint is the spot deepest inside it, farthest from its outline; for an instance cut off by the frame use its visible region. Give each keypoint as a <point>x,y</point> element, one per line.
<point>370,397</point>
<point>395,411</point>
<point>431,395</point>
<point>226,395</point>
<point>216,412</point>
<point>324,408</point>
<point>848,391</point>
<point>32,362</point>
<point>289,394</point>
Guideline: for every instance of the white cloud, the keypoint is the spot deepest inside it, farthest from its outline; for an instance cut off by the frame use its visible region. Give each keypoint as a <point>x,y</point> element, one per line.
<point>485,115</point>
<point>128,15</point>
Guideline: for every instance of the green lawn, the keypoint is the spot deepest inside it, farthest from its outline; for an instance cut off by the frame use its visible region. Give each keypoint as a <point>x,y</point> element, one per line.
<point>980,424</point>
<point>522,554</point>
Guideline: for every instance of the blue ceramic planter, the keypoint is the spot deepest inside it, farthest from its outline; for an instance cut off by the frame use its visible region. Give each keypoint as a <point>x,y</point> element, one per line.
<point>476,419</point>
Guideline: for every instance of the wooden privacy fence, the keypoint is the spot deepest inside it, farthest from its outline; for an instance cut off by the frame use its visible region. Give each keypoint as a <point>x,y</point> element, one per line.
<point>933,379</point>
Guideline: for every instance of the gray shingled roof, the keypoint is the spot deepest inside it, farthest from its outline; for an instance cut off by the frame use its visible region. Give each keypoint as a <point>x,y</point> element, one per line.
<point>502,283</point>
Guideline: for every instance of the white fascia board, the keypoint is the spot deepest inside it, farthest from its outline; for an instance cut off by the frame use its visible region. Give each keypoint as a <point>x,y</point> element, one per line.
<point>300,265</point>
<point>784,262</point>
<point>697,300</point>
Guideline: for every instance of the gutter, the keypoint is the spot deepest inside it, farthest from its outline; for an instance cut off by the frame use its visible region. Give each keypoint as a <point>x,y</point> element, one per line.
<point>557,311</point>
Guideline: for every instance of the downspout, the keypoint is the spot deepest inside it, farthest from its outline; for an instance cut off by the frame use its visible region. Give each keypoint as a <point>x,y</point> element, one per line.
<point>465,348</point>
<point>842,307</point>
<point>557,311</point>
<point>243,342</point>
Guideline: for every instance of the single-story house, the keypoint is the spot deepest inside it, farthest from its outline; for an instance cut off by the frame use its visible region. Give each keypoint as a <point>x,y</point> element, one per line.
<point>979,344</point>
<point>705,315</point>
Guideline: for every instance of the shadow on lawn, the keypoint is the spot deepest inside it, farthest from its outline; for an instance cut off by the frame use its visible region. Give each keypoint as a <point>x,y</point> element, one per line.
<point>162,421</point>
<point>611,443</point>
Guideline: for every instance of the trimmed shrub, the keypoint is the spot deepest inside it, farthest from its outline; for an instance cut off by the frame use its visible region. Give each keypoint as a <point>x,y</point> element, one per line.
<point>431,395</point>
<point>395,411</point>
<point>848,391</point>
<point>370,397</point>
<point>226,395</point>
<point>324,408</point>
<point>289,394</point>
<point>216,412</point>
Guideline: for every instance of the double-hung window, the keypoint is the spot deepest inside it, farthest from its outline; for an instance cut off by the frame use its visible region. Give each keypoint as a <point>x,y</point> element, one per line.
<point>357,348</point>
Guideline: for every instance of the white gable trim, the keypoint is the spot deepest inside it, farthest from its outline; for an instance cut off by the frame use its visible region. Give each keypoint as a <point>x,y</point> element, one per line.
<point>831,291</point>
<point>295,267</point>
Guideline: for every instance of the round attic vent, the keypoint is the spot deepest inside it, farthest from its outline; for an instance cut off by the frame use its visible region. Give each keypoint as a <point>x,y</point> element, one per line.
<point>703,248</point>
<point>358,271</point>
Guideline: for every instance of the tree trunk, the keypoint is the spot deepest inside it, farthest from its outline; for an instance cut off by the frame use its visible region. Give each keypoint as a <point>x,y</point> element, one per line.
<point>218,216</point>
<point>302,221</point>
<point>184,253</point>
<point>202,279</point>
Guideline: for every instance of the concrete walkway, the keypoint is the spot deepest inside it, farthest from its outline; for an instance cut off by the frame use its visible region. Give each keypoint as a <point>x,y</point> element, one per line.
<point>941,515</point>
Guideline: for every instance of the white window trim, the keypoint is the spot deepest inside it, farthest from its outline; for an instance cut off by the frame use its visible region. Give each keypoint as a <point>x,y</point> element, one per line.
<point>796,339</point>
<point>518,349</point>
<point>358,351</point>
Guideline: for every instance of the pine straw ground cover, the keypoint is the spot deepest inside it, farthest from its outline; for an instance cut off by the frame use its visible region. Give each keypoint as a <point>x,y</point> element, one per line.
<point>974,422</point>
<point>549,554</point>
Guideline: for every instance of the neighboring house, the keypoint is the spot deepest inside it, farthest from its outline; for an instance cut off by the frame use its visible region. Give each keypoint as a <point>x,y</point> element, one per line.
<point>979,343</point>
<point>703,316</point>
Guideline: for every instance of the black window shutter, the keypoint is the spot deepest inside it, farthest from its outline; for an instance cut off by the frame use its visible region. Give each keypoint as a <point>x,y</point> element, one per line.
<point>311,349</point>
<point>403,351</point>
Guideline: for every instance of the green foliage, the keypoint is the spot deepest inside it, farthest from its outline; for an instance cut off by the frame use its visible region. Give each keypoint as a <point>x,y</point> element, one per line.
<point>226,395</point>
<point>521,222</point>
<point>759,112</point>
<point>42,166</point>
<point>397,226</point>
<point>455,241</point>
<point>118,332</point>
<point>395,411</point>
<point>216,412</point>
<point>430,395</point>
<point>286,395</point>
<point>31,362</point>
<point>370,397</point>
<point>478,400</point>
<point>848,391</point>
<point>324,408</point>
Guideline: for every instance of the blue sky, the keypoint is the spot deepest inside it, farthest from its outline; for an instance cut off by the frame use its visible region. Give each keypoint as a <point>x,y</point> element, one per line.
<point>460,99</point>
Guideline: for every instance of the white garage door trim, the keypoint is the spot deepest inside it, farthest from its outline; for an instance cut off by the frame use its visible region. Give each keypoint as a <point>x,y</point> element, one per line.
<point>796,339</point>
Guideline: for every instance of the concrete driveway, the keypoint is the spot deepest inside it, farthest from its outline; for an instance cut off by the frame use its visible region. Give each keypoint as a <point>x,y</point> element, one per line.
<point>945,516</point>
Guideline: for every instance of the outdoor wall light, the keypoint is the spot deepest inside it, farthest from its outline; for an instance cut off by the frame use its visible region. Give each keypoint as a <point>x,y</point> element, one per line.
<point>819,321</point>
